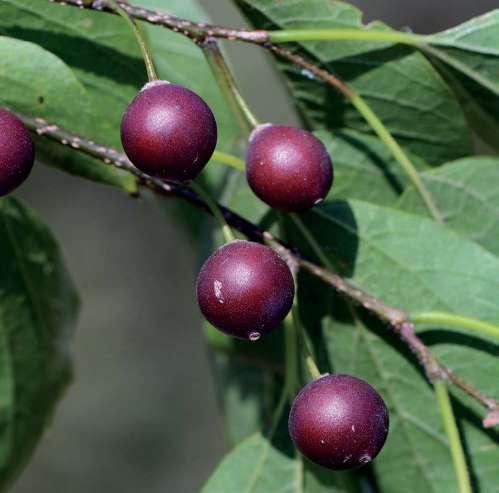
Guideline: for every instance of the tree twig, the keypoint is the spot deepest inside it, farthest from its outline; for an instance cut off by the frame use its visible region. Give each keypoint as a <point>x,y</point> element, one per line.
<point>398,320</point>
<point>194,30</point>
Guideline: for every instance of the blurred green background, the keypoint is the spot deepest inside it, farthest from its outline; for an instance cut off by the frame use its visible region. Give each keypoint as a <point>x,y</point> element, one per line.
<point>142,413</point>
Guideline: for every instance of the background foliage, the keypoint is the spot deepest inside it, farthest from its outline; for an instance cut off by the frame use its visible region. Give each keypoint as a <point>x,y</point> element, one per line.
<point>84,68</point>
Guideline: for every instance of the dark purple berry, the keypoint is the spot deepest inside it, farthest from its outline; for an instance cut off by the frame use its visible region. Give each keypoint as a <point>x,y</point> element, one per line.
<point>17,152</point>
<point>168,131</point>
<point>245,289</point>
<point>288,168</point>
<point>339,422</point>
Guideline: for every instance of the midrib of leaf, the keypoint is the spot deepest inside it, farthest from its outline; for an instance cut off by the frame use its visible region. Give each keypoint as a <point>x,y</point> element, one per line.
<point>450,36</point>
<point>83,34</point>
<point>261,463</point>
<point>471,73</point>
<point>263,458</point>
<point>467,191</point>
<point>436,41</point>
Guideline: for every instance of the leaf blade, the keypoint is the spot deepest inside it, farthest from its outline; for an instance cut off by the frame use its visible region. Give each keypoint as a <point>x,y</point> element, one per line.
<point>38,307</point>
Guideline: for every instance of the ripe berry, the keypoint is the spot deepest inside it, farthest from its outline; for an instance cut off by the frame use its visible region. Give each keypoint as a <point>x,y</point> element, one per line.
<point>288,168</point>
<point>245,289</point>
<point>168,131</point>
<point>339,422</point>
<point>17,152</point>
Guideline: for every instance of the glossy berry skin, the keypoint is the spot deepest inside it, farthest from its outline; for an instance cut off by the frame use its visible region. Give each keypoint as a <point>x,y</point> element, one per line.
<point>288,168</point>
<point>168,131</point>
<point>17,152</point>
<point>245,289</point>
<point>339,422</point>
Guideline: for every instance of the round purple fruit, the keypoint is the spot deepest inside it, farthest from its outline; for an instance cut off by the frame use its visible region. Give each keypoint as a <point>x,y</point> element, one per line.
<point>17,152</point>
<point>245,289</point>
<point>168,131</point>
<point>339,422</point>
<point>288,168</point>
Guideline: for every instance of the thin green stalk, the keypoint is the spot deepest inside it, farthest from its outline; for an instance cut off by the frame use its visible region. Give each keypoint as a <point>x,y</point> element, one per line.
<point>283,399</point>
<point>215,210</point>
<point>456,448</point>
<point>294,318</point>
<point>316,248</point>
<point>319,252</point>
<point>312,367</point>
<point>151,71</point>
<point>381,36</point>
<point>228,160</point>
<point>291,355</point>
<point>452,320</point>
<point>406,164</point>
<point>308,357</point>
<point>228,85</point>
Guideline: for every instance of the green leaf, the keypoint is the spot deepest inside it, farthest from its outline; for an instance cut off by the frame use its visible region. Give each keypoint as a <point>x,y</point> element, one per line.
<point>470,57</point>
<point>246,394</point>
<point>258,466</point>
<point>399,84</point>
<point>415,264</point>
<point>464,193</point>
<point>254,466</point>
<point>99,48</point>
<point>38,307</point>
<point>364,168</point>
<point>45,87</point>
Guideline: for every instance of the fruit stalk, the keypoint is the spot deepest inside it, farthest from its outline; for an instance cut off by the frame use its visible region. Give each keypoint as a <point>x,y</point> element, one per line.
<point>146,54</point>
<point>215,211</point>
<point>456,447</point>
<point>227,84</point>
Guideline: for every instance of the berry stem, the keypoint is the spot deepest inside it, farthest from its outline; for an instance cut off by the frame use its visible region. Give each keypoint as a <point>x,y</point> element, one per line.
<point>299,333</point>
<point>452,320</point>
<point>291,355</point>
<point>383,133</point>
<point>149,63</point>
<point>227,84</point>
<point>456,448</point>
<point>309,356</point>
<point>312,368</point>
<point>314,245</point>
<point>215,210</point>
<point>228,160</point>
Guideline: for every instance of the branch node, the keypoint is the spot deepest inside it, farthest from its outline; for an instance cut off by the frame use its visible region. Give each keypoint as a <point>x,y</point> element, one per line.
<point>492,418</point>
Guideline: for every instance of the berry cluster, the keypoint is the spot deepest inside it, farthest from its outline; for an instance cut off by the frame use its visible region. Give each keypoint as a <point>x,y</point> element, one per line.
<point>244,289</point>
